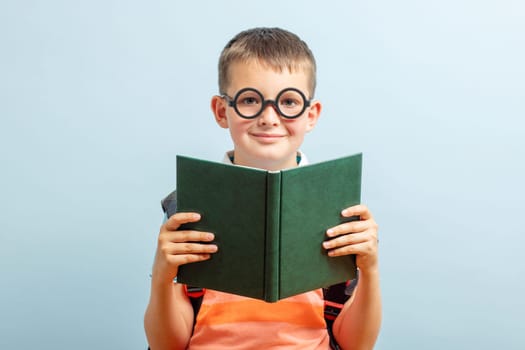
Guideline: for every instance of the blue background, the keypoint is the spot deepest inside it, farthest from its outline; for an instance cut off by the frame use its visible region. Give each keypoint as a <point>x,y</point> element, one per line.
<point>97,98</point>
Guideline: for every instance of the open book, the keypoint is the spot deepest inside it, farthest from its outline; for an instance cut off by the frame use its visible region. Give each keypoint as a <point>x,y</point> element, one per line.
<point>269,226</point>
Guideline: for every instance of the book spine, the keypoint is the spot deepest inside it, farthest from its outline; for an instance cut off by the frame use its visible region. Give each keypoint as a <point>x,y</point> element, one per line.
<point>272,239</point>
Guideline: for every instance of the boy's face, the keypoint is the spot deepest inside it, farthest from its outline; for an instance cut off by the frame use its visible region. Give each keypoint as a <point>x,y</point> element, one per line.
<point>268,141</point>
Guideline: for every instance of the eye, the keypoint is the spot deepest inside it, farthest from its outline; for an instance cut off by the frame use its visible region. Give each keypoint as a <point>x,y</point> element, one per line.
<point>289,102</point>
<point>249,100</point>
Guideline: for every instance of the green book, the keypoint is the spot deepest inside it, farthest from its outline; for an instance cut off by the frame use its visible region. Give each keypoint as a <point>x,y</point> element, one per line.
<point>269,225</point>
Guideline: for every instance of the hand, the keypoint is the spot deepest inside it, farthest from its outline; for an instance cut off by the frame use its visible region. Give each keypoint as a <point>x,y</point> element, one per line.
<point>355,237</point>
<point>175,248</point>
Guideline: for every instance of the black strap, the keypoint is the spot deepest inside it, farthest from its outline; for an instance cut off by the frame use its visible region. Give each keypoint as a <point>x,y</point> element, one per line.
<point>169,204</point>
<point>335,296</point>
<point>195,294</point>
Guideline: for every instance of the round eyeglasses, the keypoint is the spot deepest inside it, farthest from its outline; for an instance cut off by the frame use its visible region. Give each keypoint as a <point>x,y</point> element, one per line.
<point>249,103</point>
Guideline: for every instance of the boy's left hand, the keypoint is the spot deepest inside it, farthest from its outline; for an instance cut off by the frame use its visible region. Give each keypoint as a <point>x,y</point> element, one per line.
<point>355,237</point>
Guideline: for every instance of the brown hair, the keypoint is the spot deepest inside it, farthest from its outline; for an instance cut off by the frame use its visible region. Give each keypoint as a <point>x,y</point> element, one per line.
<point>275,47</point>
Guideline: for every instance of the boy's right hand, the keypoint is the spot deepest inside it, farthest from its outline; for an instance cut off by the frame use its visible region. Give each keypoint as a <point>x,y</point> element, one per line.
<point>175,248</point>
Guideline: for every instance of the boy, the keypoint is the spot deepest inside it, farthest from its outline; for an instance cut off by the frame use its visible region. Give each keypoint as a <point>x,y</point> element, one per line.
<point>266,82</point>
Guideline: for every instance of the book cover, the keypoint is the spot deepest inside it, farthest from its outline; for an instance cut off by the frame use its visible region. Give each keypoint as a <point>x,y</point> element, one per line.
<point>269,226</point>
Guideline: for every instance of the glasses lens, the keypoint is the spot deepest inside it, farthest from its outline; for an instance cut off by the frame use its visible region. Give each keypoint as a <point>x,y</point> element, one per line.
<point>291,103</point>
<point>248,103</point>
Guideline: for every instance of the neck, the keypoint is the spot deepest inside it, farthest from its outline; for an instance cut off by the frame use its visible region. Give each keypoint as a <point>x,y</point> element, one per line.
<point>266,164</point>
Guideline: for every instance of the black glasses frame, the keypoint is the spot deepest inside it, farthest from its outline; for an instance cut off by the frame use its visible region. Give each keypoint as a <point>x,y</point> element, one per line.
<point>232,102</point>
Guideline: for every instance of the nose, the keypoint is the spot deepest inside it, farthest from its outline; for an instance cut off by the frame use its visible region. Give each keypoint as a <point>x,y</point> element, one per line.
<point>269,116</point>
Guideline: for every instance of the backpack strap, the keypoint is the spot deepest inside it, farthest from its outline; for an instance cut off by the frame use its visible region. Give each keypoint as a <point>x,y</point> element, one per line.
<point>334,298</point>
<point>336,295</point>
<point>195,294</point>
<point>169,204</point>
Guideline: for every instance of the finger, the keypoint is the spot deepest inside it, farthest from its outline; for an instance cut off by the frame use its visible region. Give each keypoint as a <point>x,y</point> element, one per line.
<point>187,236</point>
<point>360,210</point>
<point>177,252</point>
<point>192,248</point>
<point>344,240</point>
<point>184,253</point>
<point>188,258</point>
<point>348,227</point>
<point>364,248</point>
<point>177,219</point>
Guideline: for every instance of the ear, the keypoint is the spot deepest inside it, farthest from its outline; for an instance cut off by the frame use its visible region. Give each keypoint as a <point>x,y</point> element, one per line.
<point>314,111</point>
<point>218,107</point>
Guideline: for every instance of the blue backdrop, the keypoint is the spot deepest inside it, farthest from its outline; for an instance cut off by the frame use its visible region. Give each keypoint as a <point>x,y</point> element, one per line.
<point>97,98</point>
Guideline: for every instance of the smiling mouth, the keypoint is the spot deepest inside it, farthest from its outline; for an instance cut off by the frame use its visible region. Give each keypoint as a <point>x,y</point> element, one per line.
<point>265,135</point>
<point>266,138</point>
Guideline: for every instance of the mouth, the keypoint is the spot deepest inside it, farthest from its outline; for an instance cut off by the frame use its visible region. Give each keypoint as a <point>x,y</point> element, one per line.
<point>267,137</point>
<point>263,134</point>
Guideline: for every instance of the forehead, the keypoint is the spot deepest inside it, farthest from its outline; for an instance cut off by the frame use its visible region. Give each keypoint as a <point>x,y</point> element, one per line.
<point>265,78</point>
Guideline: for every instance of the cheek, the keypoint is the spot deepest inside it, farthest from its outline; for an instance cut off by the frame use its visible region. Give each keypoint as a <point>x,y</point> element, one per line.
<point>296,128</point>
<point>238,127</point>
<point>235,132</point>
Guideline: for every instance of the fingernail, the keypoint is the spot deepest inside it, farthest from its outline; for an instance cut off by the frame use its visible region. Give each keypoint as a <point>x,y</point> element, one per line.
<point>330,232</point>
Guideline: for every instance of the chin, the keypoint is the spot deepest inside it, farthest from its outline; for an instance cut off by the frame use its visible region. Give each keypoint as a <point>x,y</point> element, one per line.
<point>277,159</point>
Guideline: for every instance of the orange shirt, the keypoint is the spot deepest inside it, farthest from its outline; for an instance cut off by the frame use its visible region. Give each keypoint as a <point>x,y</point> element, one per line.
<point>227,321</point>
